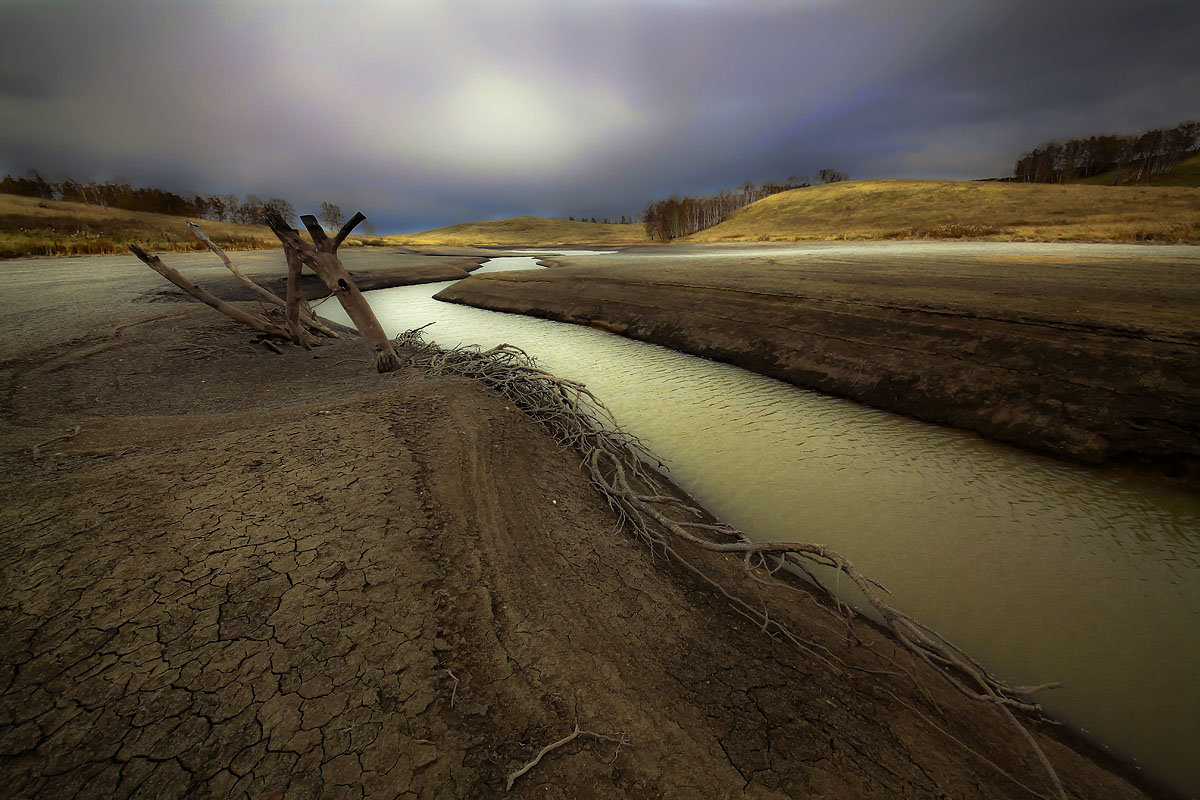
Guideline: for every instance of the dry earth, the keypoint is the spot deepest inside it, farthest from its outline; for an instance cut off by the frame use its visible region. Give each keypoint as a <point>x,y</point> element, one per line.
<point>252,575</point>
<point>1084,352</point>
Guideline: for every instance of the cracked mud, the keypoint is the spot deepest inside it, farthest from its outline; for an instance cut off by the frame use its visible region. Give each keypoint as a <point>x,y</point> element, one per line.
<point>267,576</point>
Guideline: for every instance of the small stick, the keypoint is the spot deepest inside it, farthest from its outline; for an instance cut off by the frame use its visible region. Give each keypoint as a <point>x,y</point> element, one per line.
<point>264,293</point>
<point>38,447</point>
<point>570,737</point>
<point>454,692</point>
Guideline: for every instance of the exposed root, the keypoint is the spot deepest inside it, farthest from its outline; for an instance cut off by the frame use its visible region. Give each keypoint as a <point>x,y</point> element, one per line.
<point>963,744</point>
<point>620,739</point>
<point>622,469</point>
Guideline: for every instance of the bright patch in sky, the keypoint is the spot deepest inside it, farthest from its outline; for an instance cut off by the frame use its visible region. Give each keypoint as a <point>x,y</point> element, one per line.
<point>502,124</point>
<point>508,123</point>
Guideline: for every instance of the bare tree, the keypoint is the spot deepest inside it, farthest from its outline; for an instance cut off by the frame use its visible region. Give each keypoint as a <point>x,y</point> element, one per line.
<point>831,176</point>
<point>1133,158</point>
<point>331,215</point>
<point>277,205</point>
<point>674,217</point>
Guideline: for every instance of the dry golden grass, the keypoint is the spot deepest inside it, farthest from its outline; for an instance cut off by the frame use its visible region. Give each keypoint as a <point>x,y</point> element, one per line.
<point>927,209</point>
<point>525,231</point>
<point>33,227</point>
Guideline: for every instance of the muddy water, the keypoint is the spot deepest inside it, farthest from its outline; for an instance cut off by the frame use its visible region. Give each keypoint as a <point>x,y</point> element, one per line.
<point>1043,570</point>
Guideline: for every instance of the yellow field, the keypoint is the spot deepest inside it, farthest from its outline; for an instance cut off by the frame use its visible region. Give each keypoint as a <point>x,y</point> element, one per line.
<point>525,231</point>
<point>908,209</point>
<point>882,209</point>
<point>31,226</point>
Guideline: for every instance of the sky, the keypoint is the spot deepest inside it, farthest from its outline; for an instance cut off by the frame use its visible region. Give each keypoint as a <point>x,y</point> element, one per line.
<point>430,113</point>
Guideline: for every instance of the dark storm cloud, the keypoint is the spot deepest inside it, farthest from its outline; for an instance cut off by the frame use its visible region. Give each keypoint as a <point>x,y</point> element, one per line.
<point>429,113</point>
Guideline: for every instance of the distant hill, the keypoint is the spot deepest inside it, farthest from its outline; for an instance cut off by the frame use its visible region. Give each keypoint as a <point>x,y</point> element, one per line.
<point>30,226</point>
<point>525,231</point>
<point>1184,173</point>
<point>899,209</point>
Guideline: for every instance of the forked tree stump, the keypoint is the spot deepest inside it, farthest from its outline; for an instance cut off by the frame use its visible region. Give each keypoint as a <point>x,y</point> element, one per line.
<point>321,257</point>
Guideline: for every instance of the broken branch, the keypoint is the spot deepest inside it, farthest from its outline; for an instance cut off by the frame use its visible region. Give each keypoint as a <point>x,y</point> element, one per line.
<point>316,231</point>
<point>350,225</point>
<point>257,323</point>
<point>305,314</point>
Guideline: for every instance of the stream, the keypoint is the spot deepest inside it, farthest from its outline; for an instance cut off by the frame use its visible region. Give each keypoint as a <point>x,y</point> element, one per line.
<point>1043,570</point>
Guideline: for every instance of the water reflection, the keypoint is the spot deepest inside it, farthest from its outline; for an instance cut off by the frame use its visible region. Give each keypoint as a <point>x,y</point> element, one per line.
<point>1043,570</point>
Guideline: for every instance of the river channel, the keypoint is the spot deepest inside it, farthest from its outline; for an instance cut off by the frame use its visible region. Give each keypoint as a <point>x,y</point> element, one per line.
<point>1043,570</point>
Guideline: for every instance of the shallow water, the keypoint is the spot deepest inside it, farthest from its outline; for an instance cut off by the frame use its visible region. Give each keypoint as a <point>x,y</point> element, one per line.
<point>1043,570</point>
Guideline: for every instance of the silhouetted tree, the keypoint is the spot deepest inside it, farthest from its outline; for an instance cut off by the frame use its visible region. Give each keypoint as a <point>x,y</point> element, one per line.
<point>831,176</point>
<point>31,186</point>
<point>674,217</point>
<point>119,193</point>
<point>277,205</point>
<point>1133,158</point>
<point>331,215</point>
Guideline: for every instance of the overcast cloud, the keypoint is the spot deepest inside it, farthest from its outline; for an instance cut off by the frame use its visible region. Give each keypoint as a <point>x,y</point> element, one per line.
<point>424,114</point>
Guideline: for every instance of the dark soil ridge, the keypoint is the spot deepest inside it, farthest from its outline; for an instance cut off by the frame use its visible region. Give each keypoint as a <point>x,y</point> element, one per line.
<point>1084,393</point>
<point>286,576</point>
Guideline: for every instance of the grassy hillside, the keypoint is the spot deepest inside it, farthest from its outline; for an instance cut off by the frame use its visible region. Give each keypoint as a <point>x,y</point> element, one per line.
<point>1184,173</point>
<point>525,231</point>
<point>30,226</point>
<point>899,209</point>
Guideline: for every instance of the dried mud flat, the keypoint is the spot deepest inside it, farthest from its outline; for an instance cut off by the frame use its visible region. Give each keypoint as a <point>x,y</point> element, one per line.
<point>286,576</point>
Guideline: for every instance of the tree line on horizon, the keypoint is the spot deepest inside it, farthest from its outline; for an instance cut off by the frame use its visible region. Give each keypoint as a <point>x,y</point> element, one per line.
<point>680,216</point>
<point>1133,158</point>
<point>248,210</point>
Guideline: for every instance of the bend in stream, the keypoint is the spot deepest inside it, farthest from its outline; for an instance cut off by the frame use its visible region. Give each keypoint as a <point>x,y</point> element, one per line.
<point>1043,570</point>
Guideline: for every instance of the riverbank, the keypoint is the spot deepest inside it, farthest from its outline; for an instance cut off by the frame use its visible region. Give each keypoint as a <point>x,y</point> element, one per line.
<point>1087,354</point>
<point>286,574</point>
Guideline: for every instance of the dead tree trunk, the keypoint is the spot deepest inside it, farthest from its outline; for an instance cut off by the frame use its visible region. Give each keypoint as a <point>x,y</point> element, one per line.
<point>257,323</point>
<point>295,300</point>
<point>304,313</point>
<point>321,257</point>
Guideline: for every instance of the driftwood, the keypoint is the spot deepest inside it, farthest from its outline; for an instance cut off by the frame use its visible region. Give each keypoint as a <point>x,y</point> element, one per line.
<point>300,322</point>
<point>304,313</point>
<point>321,258</point>
<point>295,305</point>
<point>256,322</point>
